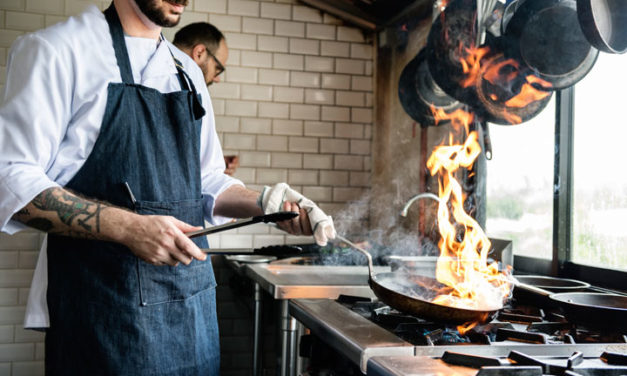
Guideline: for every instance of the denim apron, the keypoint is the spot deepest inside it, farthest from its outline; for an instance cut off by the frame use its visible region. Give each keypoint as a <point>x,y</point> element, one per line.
<point>110,312</point>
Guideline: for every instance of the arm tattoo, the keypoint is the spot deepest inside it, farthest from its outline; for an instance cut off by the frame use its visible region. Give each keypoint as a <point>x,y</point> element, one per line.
<point>80,215</point>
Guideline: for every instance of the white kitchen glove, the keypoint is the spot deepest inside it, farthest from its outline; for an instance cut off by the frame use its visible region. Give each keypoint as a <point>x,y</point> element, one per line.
<point>272,199</point>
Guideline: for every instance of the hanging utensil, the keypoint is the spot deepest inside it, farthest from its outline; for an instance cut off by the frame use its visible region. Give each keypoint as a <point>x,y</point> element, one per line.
<point>274,217</point>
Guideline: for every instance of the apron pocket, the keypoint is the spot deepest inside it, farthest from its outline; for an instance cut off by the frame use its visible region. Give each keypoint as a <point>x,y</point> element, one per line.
<point>162,284</point>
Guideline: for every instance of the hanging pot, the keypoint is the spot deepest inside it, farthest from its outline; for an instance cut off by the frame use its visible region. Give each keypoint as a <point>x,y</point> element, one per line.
<point>604,23</point>
<point>418,92</point>
<point>545,35</point>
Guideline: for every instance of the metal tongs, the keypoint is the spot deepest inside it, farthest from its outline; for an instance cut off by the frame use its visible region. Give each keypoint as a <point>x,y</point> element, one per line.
<point>274,217</point>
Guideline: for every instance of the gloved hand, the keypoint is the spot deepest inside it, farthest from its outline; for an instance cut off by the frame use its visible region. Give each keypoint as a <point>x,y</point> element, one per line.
<point>272,199</point>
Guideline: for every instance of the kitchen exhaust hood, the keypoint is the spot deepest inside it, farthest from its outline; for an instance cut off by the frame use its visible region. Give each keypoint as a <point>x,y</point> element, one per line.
<point>369,14</point>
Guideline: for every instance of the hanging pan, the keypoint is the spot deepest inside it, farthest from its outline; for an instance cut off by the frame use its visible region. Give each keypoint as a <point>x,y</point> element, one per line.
<point>546,36</point>
<point>453,32</point>
<point>604,23</point>
<point>418,92</point>
<point>468,73</point>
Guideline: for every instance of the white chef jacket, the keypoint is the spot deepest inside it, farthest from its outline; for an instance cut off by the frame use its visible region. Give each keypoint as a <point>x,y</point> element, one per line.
<point>52,108</point>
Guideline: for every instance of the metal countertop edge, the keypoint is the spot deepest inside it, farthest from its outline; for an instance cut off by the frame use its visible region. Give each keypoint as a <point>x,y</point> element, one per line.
<point>504,348</point>
<point>322,317</point>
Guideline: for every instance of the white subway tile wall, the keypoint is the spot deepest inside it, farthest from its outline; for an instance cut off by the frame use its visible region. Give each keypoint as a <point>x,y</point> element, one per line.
<point>295,104</point>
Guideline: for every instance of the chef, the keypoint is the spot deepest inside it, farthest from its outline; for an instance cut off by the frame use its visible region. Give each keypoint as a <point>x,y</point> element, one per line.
<point>109,145</point>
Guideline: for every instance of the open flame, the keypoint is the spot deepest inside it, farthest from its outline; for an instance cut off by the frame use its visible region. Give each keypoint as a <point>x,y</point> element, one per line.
<point>472,282</point>
<point>512,87</point>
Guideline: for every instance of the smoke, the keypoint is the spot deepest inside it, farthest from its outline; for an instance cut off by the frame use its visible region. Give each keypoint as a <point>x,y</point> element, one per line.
<point>390,237</point>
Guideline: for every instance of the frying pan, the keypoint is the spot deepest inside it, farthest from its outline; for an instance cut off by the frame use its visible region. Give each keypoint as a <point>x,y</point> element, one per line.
<point>388,286</point>
<point>553,284</point>
<point>451,33</point>
<point>604,23</point>
<point>418,91</point>
<point>450,38</point>
<point>546,36</point>
<point>600,310</point>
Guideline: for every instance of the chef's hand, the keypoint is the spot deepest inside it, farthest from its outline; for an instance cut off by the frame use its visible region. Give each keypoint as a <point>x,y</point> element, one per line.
<point>161,240</point>
<point>296,226</point>
<point>312,220</point>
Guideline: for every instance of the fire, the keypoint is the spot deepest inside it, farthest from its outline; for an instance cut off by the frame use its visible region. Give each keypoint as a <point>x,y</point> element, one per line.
<point>505,96</point>
<point>472,282</point>
<point>471,64</point>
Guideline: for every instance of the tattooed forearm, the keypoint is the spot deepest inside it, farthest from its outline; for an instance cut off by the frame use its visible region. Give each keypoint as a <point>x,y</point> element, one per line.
<point>58,211</point>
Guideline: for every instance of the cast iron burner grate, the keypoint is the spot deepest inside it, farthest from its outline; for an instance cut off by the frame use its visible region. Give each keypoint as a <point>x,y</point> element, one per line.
<point>515,323</point>
<point>519,363</point>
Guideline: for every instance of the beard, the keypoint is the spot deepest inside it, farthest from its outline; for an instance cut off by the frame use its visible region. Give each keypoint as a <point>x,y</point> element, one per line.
<point>158,15</point>
<point>204,67</point>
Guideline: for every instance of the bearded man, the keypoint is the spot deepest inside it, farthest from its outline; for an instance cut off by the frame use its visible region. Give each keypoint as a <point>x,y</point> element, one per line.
<point>109,145</point>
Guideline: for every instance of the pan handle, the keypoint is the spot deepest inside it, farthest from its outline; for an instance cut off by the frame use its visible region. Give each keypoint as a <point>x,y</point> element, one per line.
<point>532,289</point>
<point>363,251</point>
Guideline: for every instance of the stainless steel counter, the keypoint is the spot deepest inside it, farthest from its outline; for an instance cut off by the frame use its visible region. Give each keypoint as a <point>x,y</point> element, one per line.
<point>311,281</point>
<point>347,331</point>
<point>285,282</point>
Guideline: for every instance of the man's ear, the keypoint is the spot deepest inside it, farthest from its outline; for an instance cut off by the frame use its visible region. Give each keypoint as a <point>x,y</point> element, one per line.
<point>197,52</point>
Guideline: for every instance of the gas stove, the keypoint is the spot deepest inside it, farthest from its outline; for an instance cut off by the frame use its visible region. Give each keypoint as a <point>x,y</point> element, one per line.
<point>521,340</point>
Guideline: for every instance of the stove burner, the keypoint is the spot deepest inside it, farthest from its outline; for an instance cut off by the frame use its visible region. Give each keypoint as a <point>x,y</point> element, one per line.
<point>515,317</point>
<point>518,363</point>
<point>516,323</point>
<point>516,335</point>
<point>614,358</point>
<point>473,361</point>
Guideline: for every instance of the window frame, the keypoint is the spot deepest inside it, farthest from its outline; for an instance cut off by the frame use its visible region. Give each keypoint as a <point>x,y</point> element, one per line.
<point>561,264</point>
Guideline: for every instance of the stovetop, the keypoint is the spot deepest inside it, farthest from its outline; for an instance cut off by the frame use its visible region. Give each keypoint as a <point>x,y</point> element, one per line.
<point>522,340</point>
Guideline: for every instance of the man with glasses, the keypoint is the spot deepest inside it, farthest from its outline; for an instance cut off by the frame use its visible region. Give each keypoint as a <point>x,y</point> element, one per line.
<point>206,45</point>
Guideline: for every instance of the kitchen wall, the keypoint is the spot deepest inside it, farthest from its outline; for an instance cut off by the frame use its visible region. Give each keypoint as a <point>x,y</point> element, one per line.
<point>296,105</point>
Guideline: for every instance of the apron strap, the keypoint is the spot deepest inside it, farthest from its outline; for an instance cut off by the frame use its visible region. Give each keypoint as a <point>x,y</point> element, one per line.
<point>117,34</point>
<point>187,84</point>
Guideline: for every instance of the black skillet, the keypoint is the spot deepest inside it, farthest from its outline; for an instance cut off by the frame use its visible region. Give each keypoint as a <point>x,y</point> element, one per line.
<point>604,23</point>
<point>545,35</point>
<point>401,291</point>
<point>451,36</point>
<point>418,92</point>
<point>599,310</point>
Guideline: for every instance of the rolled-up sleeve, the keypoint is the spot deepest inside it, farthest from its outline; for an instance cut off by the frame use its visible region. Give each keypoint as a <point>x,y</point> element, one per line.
<point>34,112</point>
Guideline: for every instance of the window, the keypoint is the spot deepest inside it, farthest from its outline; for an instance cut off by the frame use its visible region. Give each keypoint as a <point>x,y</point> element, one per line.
<point>520,184</point>
<point>600,166</point>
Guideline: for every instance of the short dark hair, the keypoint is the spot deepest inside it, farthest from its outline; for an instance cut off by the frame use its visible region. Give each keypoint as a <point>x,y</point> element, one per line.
<point>199,32</point>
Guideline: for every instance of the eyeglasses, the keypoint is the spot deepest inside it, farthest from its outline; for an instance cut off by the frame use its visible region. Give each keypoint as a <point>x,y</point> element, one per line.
<point>219,68</point>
